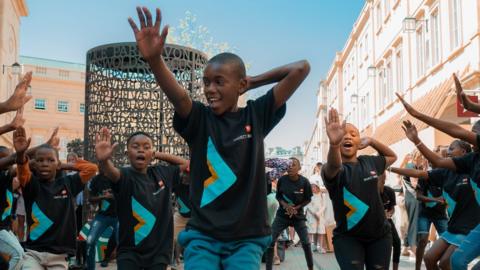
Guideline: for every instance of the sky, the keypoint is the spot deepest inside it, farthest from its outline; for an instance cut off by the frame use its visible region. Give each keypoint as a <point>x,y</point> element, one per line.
<point>265,33</point>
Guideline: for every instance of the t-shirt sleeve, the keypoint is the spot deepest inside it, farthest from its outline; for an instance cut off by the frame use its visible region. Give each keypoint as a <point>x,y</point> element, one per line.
<point>74,183</point>
<point>172,175</point>
<point>188,127</point>
<point>333,182</point>
<point>465,164</point>
<point>118,186</point>
<point>93,186</point>
<point>308,190</point>
<point>266,113</point>
<point>380,162</point>
<point>436,177</point>
<point>30,190</point>
<point>279,194</point>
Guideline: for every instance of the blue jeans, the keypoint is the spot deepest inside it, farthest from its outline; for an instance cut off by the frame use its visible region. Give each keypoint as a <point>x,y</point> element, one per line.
<point>99,225</point>
<point>424,223</point>
<point>204,252</point>
<point>467,251</point>
<point>10,246</point>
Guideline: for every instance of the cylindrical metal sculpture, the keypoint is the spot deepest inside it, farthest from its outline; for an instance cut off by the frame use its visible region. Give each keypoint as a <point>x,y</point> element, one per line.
<point>121,94</point>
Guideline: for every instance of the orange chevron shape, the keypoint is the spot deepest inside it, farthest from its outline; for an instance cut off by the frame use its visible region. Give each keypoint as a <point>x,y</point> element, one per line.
<point>35,222</point>
<point>352,209</point>
<point>141,222</point>
<point>212,178</point>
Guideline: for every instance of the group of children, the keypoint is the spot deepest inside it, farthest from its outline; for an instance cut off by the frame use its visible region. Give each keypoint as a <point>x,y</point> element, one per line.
<point>222,191</point>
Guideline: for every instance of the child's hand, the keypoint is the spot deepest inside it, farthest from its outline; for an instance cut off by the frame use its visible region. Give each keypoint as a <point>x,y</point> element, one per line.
<point>407,106</point>
<point>54,141</point>
<point>364,143</point>
<point>149,41</point>
<point>18,120</point>
<point>335,130</point>
<point>103,146</point>
<point>410,131</point>
<point>19,96</point>
<point>20,141</point>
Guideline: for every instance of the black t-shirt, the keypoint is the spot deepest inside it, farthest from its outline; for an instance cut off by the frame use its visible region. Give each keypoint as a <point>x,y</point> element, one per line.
<point>182,195</point>
<point>293,193</point>
<point>98,186</point>
<point>470,164</point>
<point>228,189</point>
<point>145,215</point>
<point>357,205</point>
<point>431,210</point>
<point>6,199</point>
<point>463,211</point>
<point>50,209</point>
<point>388,198</point>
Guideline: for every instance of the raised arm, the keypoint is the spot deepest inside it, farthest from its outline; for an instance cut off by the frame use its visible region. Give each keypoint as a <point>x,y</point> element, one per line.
<point>335,133</point>
<point>382,149</point>
<point>104,151</point>
<point>172,159</point>
<point>17,122</point>
<point>289,77</point>
<point>466,102</point>
<point>436,160</point>
<point>449,128</point>
<point>53,141</point>
<point>19,96</point>
<point>85,169</point>
<point>409,172</point>
<point>151,42</point>
<point>21,143</point>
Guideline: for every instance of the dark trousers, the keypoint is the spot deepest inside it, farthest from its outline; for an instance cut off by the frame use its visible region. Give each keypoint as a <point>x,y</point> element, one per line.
<point>127,264</point>
<point>280,224</point>
<point>353,254</point>
<point>395,243</point>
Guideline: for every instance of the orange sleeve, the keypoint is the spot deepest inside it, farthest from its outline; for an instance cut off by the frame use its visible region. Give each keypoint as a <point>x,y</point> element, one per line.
<point>23,173</point>
<point>86,169</point>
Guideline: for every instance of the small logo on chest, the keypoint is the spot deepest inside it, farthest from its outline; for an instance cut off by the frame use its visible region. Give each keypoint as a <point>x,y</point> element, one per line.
<point>161,186</point>
<point>373,175</point>
<point>61,195</point>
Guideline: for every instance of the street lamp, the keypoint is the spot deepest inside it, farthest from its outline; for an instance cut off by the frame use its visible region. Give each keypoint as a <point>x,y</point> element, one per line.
<point>16,68</point>
<point>409,24</point>
<point>371,71</point>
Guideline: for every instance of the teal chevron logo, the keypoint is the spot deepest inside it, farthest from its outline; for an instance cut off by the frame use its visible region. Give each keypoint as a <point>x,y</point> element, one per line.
<point>105,205</point>
<point>476,190</point>
<point>183,208</point>
<point>8,209</point>
<point>358,209</point>
<point>287,199</point>
<point>451,203</point>
<point>145,219</point>
<point>221,179</point>
<point>430,204</point>
<point>41,223</point>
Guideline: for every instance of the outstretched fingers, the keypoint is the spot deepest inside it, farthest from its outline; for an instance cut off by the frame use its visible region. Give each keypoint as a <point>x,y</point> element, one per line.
<point>141,17</point>
<point>148,16</point>
<point>133,25</point>
<point>158,19</point>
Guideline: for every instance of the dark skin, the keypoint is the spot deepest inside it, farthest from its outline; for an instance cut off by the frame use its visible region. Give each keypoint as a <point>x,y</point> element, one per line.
<point>139,151</point>
<point>293,176</point>
<point>19,96</point>
<point>16,122</point>
<point>466,102</point>
<point>222,88</point>
<point>345,141</point>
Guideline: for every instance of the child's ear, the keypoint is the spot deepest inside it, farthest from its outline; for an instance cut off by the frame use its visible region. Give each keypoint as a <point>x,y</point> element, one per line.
<point>243,86</point>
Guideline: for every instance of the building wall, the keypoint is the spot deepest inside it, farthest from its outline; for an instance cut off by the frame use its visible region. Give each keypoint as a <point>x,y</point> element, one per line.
<point>10,13</point>
<point>383,55</point>
<point>55,81</point>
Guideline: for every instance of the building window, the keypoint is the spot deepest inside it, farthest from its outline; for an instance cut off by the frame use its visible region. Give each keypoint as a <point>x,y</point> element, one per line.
<point>389,81</point>
<point>63,73</point>
<point>420,52</point>
<point>82,108</point>
<point>399,69</point>
<point>435,37</point>
<point>62,106</point>
<point>40,104</point>
<point>455,17</point>
<point>40,70</point>
<point>379,15</point>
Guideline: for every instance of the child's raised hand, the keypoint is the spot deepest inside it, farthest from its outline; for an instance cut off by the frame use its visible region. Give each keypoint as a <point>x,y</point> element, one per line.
<point>410,131</point>
<point>20,141</point>
<point>54,141</point>
<point>103,145</point>
<point>364,142</point>
<point>149,40</point>
<point>335,129</point>
<point>18,120</point>
<point>19,96</point>
<point>407,106</point>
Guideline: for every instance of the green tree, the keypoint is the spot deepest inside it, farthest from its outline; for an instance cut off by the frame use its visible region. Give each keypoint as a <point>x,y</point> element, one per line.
<point>75,146</point>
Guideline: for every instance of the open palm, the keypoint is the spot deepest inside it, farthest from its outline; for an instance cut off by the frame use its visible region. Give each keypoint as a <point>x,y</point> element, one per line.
<point>335,129</point>
<point>20,95</point>
<point>410,130</point>
<point>149,40</point>
<point>103,145</point>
